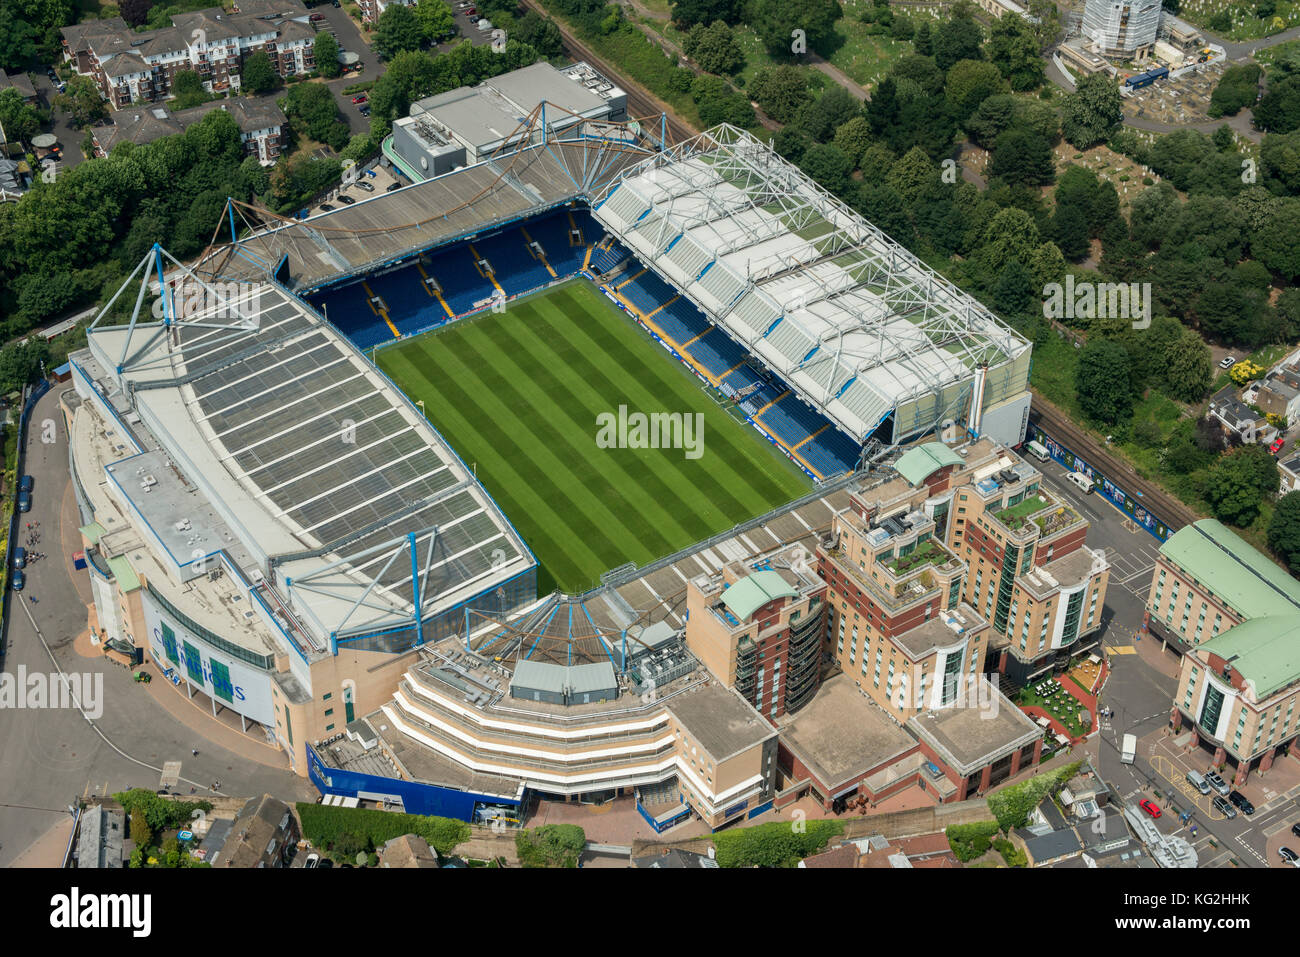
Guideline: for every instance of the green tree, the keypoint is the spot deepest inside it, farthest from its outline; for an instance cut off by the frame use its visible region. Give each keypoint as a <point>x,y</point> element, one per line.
<point>258,75</point>
<point>913,175</point>
<point>1102,382</point>
<point>18,39</point>
<point>312,111</point>
<point>687,13</point>
<point>397,31</point>
<point>780,91</point>
<point>1274,243</point>
<point>1069,230</point>
<point>1186,366</point>
<point>83,100</point>
<point>1279,162</point>
<point>326,49</point>
<point>20,119</point>
<point>551,845</point>
<point>140,831</point>
<point>853,138</point>
<point>540,34</point>
<point>1239,482</point>
<point>1284,531</point>
<point>718,103</point>
<point>970,83</point>
<point>776,21</point>
<point>923,39</point>
<point>957,38</point>
<point>1278,111</point>
<point>834,107</point>
<point>1014,50</point>
<point>714,48</point>
<point>1022,156</point>
<point>435,19</point>
<point>1091,111</point>
<point>828,165</point>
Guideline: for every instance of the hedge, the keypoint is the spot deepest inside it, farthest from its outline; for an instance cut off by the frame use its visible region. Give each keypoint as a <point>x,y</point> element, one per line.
<point>326,826</point>
<point>1012,806</point>
<point>551,845</point>
<point>778,844</point>
<point>971,841</point>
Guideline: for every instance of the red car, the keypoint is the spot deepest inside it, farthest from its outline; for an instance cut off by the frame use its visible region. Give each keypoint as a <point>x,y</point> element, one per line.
<point>1277,445</point>
<point>359,98</point>
<point>1150,807</point>
<point>318,16</point>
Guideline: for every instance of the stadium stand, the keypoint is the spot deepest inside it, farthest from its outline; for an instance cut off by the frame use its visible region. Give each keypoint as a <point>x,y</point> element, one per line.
<point>552,234</point>
<point>763,397</point>
<point>829,453</point>
<point>513,267</point>
<point>350,312</point>
<point>646,292</point>
<point>680,321</point>
<point>738,380</point>
<point>790,421</point>
<point>716,352</point>
<point>607,259</point>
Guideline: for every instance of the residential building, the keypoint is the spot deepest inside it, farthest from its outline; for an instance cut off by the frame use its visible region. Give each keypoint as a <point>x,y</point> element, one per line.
<point>1278,394</point>
<point>371,10</point>
<point>759,630</point>
<point>264,834</point>
<point>408,851</point>
<point>101,831</point>
<point>18,81</point>
<point>133,67</point>
<point>1234,615</point>
<point>263,127</point>
<point>674,858</point>
<point>1238,419</point>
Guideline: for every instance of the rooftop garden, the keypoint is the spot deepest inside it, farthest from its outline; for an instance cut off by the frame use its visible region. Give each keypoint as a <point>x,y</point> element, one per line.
<point>926,553</point>
<point>1015,516</point>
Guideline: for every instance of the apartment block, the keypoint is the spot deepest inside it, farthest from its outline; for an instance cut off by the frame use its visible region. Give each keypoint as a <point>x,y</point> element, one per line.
<point>759,630</point>
<point>133,68</point>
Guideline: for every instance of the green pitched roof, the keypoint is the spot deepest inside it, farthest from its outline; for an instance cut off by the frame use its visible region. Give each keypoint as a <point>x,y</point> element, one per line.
<point>918,464</point>
<point>93,532</point>
<point>1265,650</point>
<point>127,580</point>
<point>1225,565</point>
<point>750,594</point>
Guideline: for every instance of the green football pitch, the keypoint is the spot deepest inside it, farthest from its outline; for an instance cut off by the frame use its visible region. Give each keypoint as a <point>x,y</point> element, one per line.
<point>518,395</point>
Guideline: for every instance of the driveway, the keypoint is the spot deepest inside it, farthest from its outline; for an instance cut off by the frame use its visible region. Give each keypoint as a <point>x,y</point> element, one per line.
<point>52,756</point>
<point>69,137</point>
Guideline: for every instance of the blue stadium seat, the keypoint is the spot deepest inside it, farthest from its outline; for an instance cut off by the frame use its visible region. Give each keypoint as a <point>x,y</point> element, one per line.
<point>512,264</point>
<point>647,292</point>
<point>742,379</point>
<point>830,452</point>
<point>716,352</point>
<point>348,309</point>
<point>791,421</point>
<point>680,321</point>
<point>552,233</point>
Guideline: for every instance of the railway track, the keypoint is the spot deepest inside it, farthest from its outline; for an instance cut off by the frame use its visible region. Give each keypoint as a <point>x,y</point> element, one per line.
<point>1156,500</point>
<point>641,103</point>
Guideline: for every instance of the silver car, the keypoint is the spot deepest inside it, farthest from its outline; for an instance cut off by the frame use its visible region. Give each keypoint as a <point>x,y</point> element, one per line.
<point>1217,783</point>
<point>1223,807</point>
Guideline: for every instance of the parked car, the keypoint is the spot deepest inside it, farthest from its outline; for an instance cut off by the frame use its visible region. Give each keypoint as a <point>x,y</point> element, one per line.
<point>25,483</point>
<point>1217,783</point>
<point>1223,807</point>
<point>1276,445</point>
<point>324,863</point>
<point>20,557</point>
<point>19,580</point>
<point>364,110</point>
<point>1150,807</point>
<point>392,187</point>
<point>313,859</point>
<point>325,207</point>
<point>1289,856</point>
<point>367,186</point>
<point>359,98</point>
<point>1295,828</point>
<point>24,501</point>
<point>474,18</point>
<point>1227,362</point>
<point>346,200</point>
<point>318,16</point>
<point>1242,802</point>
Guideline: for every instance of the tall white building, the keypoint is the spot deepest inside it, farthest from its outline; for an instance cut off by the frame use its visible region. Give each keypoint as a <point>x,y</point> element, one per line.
<point>1122,28</point>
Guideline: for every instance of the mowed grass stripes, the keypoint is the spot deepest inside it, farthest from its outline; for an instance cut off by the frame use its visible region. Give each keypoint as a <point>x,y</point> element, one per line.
<point>519,395</point>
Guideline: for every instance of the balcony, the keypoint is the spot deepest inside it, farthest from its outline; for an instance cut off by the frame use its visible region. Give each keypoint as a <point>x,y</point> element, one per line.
<point>926,553</point>
<point>1036,515</point>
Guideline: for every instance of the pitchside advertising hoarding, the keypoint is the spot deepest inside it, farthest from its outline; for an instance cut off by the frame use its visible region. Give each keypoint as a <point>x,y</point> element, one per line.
<point>224,678</point>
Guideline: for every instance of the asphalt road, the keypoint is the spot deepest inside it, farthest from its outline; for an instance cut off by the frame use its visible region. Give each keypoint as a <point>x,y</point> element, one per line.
<point>50,757</point>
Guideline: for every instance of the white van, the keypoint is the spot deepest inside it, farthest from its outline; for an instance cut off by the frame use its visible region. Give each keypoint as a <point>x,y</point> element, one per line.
<point>1081,480</point>
<point>1038,451</point>
<point>1197,780</point>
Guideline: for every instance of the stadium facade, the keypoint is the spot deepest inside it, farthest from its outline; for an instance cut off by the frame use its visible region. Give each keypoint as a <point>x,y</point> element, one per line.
<point>274,523</point>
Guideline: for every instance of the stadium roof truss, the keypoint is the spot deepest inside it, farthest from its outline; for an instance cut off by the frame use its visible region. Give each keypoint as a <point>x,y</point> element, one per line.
<point>857,324</point>
<point>337,484</point>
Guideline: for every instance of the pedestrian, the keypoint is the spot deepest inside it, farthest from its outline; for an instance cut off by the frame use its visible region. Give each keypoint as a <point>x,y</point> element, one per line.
<point>194,751</point>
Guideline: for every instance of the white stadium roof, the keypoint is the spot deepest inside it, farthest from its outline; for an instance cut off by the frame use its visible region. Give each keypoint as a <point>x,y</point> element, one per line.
<point>329,476</point>
<point>856,323</point>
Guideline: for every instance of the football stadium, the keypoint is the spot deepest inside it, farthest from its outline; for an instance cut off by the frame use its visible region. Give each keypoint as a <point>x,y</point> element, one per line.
<point>324,511</point>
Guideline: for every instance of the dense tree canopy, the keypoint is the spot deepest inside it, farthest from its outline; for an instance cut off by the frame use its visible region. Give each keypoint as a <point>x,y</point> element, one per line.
<point>1103,382</point>
<point>714,48</point>
<point>1091,111</point>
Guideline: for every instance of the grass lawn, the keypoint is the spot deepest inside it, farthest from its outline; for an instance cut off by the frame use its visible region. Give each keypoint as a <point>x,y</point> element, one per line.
<point>519,395</point>
<point>1067,714</point>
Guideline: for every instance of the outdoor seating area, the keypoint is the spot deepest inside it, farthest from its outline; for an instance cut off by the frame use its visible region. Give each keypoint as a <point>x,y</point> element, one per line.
<point>1087,673</point>
<point>1050,696</point>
